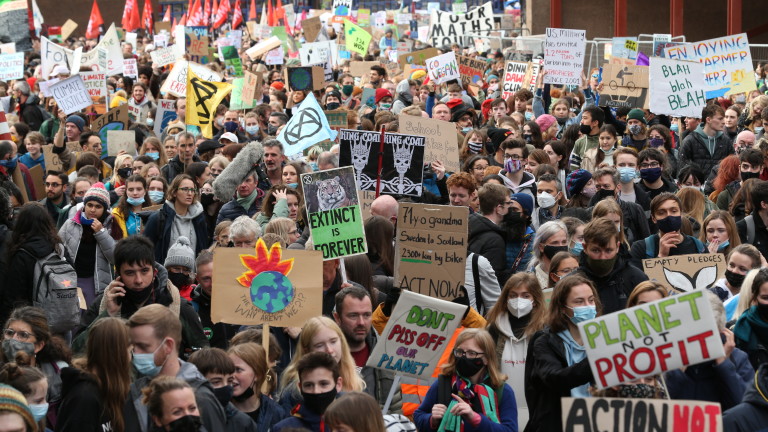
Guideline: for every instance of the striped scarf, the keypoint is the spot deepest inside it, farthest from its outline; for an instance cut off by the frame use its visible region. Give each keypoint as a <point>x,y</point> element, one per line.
<point>480,395</point>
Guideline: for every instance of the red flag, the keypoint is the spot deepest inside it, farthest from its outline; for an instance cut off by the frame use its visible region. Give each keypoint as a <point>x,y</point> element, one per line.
<point>189,9</point>
<point>195,15</point>
<point>148,18</point>
<point>207,13</point>
<point>252,11</point>
<point>222,14</point>
<point>271,18</point>
<point>237,15</point>
<point>92,31</point>
<point>183,21</point>
<point>280,14</point>
<point>173,26</point>
<point>214,10</point>
<point>131,20</point>
<point>167,16</point>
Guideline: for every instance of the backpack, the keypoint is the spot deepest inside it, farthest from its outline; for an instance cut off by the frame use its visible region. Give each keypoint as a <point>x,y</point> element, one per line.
<point>55,291</point>
<point>749,220</point>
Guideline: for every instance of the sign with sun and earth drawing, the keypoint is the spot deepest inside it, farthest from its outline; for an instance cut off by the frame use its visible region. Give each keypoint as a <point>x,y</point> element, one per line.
<point>261,286</point>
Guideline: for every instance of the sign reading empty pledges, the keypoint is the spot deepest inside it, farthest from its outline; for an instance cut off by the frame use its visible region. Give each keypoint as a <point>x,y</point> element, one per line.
<point>564,56</point>
<point>442,143</point>
<point>443,68</point>
<point>70,94</point>
<point>678,88</point>
<point>651,338</point>
<point>428,249</point>
<point>514,76</point>
<point>685,273</point>
<point>11,66</point>
<point>416,335</point>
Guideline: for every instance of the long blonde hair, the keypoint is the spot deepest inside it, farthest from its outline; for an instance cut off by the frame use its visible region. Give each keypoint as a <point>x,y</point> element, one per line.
<point>351,381</point>
<point>484,339</point>
<point>119,161</point>
<point>693,203</point>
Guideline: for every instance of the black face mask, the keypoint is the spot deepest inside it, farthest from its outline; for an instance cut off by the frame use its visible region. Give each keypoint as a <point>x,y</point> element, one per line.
<point>749,175</point>
<point>188,423</point>
<point>605,193</point>
<point>206,199</point>
<point>317,403</point>
<point>528,138</point>
<point>734,279</point>
<point>762,310</point>
<point>223,394</point>
<point>179,279</point>
<point>515,225</point>
<point>330,106</point>
<point>561,121</point>
<point>124,173</point>
<point>138,297</point>
<point>468,367</point>
<point>550,251</point>
<point>585,129</point>
<point>245,395</point>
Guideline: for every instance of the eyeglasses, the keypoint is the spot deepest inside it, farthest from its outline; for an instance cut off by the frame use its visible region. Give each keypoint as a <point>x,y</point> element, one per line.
<point>480,168</point>
<point>513,157</point>
<point>23,336</point>
<point>565,271</point>
<point>188,190</point>
<point>468,354</point>
<point>52,184</point>
<point>650,165</point>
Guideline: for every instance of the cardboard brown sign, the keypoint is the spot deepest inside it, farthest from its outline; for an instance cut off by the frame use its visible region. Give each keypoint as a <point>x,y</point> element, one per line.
<point>115,115</point>
<point>261,286</point>
<point>430,249</point>
<point>337,118</point>
<point>263,47</point>
<point>625,86</point>
<point>442,140</point>
<point>361,69</point>
<point>66,31</point>
<point>38,178</point>
<point>121,140</point>
<point>251,87</point>
<point>311,27</point>
<point>685,273</point>
<point>162,25</point>
<point>471,70</point>
<point>52,160</point>
<point>305,78</point>
<point>417,57</point>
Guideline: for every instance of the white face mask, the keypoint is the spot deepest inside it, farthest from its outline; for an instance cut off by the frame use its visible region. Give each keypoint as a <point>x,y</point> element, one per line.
<point>545,200</point>
<point>519,307</point>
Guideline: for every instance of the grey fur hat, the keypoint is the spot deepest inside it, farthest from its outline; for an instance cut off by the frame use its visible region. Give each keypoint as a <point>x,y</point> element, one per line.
<point>242,165</point>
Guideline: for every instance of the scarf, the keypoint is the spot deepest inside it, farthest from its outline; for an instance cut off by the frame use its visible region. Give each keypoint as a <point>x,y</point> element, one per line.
<point>751,328</point>
<point>247,202</point>
<point>480,396</point>
<point>574,353</point>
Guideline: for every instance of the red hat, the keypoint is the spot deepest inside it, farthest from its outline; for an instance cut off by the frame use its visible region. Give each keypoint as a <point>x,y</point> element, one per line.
<point>32,81</point>
<point>277,85</point>
<point>486,108</point>
<point>381,94</point>
<point>453,103</point>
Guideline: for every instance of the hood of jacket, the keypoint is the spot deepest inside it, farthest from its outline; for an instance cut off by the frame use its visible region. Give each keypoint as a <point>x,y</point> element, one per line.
<point>479,224</point>
<point>72,376</point>
<point>201,298</point>
<point>189,373</point>
<point>32,100</point>
<point>166,293</point>
<point>709,141</point>
<point>404,95</point>
<point>527,180</point>
<point>754,396</point>
<point>192,212</point>
<point>38,246</point>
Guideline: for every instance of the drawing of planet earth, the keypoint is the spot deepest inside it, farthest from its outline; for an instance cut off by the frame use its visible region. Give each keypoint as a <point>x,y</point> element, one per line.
<point>271,291</point>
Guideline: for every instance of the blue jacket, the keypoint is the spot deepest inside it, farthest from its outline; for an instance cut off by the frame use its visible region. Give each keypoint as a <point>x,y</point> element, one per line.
<point>513,250</point>
<point>158,230</point>
<point>232,210</point>
<point>507,410</point>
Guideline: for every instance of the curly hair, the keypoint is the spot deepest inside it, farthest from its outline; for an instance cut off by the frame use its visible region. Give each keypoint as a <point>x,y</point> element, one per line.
<point>463,180</point>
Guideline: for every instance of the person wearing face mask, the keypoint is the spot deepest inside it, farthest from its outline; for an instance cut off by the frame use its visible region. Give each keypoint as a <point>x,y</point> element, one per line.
<point>551,238</point>
<point>250,364</point>
<point>15,414</point>
<point>320,383</point>
<point>580,187</point>
<point>76,193</point>
<point>520,233</point>
<point>470,392</point>
<point>486,235</point>
<point>515,152</point>
<point>636,135</point>
<point>632,215</point>
<point>557,364</point>
<point>180,263</point>
<point>741,260</point>
<point>626,162</point>
<point>405,91</point>
<point>666,213</point>
<point>32,384</point>
<point>116,185</point>
<point>511,324</point>
<point>549,196</point>
<point>707,145</point>
<point>592,119</point>
<point>172,405</point>
<point>128,213</point>
<point>750,166</point>
<point>332,100</point>
<point>653,163</point>
<point>751,330</point>
<point>602,263</point>
<point>88,404</point>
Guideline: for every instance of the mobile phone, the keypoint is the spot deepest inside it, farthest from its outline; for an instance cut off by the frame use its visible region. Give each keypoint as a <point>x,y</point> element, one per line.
<point>118,300</point>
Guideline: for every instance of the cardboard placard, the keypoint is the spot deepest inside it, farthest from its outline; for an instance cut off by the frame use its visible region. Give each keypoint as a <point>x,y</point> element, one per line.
<point>106,55</point>
<point>651,338</point>
<point>70,94</point>
<point>11,66</point>
<point>677,87</point>
<point>96,84</point>
<point>8,48</point>
<point>403,161</point>
<point>280,287</point>
<point>624,47</point>
<point>18,180</point>
<point>443,68</point>
<point>360,69</point>
<point>366,200</point>
<point>686,273</point>
<point>625,415</point>
<point>333,210</point>
<point>252,86</point>
<point>447,28</point>
<point>417,57</point>
<point>316,53</point>
<point>625,86</point>
<point>176,83</point>
<point>52,160</point>
<point>533,73</point>
<point>471,70</point>
<point>514,78</point>
<point>416,335</point>
<point>337,118</point>
<point>311,27</point>
<point>564,56</point>
<point>442,141</point>
<point>114,119</point>
<point>38,179</point>
<point>196,45</point>
<point>166,113</point>
<point>162,26</point>
<point>237,101</point>
<point>67,29</point>
<point>14,24</point>
<point>727,63</point>
<point>52,55</point>
<point>130,68</point>
<point>275,56</point>
<point>305,78</point>
<point>429,245</point>
<point>263,47</point>
<point>121,140</point>
<point>163,56</point>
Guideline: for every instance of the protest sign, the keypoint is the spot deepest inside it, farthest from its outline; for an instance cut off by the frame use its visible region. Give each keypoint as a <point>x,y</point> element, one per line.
<point>514,78</point>
<point>416,335</point>
<point>121,140</point>
<point>14,24</point>
<point>357,38</point>
<point>275,286</point>
<point>130,69</point>
<point>442,142</point>
<point>166,113</point>
<point>678,88</point>
<point>402,166</point>
<point>316,53</point>
<point>52,160</point>
<point>196,43</point>
<point>534,74</point>
<point>685,273</point>
<point>471,70</point>
<point>628,415</point>
<point>162,26</point>
<point>236,101</point>
<point>428,249</point>
<point>564,56</point>
<point>160,40</point>
<point>651,338</point>
<point>341,7</point>
<point>359,69</point>
<point>203,98</point>
<point>176,83</point>
<point>96,84</point>
<point>447,28</point>
<point>311,27</point>
<point>727,63</point>
<point>163,56</point>
<point>307,126</point>
<point>275,56</point>
<point>232,60</point>
<point>333,210</point>
<point>71,94</point>
<point>252,86</point>
<point>11,66</point>
<point>443,68</point>
<point>364,17</point>
<point>112,62</point>
<point>137,112</point>
<point>624,47</point>
<point>263,47</point>
<point>114,119</point>
<point>52,55</point>
<point>417,57</point>
<point>286,40</point>
<point>624,86</point>
<point>337,119</point>
<point>8,48</point>
<point>305,78</point>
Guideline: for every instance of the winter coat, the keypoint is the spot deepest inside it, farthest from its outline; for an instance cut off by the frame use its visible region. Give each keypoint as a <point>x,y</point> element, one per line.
<point>489,283</point>
<point>506,410</point>
<point>751,415</point>
<point>404,98</point>
<point>761,234</point>
<point>514,250</point>
<point>527,184</point>
<point>487,239</point>
<point>270,414</point>
<point>616,286</point>
<point>549,378</point>
<point>724,383</point>
<point>580,148</point>
<point>238,421</point>
<point>175,167</point>
<point>302,418</point>
<point>280,210</point>
<point>29,112</point>
<point>696,150</point>
<point>232,209</point>
<point>511,354</point>
<point>82,407</point>
<point>214,418</point>
<point>218,334</point>
<point>72,233</point>
<point>159,225</point>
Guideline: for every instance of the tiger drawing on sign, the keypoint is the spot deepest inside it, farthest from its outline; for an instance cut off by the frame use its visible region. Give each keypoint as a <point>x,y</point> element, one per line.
<point>331,195</point>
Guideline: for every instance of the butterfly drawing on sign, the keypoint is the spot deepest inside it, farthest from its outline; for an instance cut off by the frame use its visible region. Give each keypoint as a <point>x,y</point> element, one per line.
<point>683,282</point>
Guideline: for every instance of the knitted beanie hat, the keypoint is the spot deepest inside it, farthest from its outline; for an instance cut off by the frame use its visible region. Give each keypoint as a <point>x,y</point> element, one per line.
<point>97,192</point>
<point>181,254</point>
<point>13,401</point>
<point>77,121</point>
<point>545,121</point>
<point>576,181</point>
<point>381,93</point>
<point>637,114</point>
<point>497,136</point>
<point>525,201</point>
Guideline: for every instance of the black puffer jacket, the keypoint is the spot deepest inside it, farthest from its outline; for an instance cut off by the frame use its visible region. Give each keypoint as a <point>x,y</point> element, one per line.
<point>614,288</point>
<point>175,167</point>
<point>82,408</point>
<point>695,150</point>
<point>752,413</point>
<point>487,239</point>
<point>30,113</point>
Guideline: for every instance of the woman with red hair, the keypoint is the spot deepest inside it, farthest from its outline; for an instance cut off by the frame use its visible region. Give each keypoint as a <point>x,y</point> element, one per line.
<point>727,173</point>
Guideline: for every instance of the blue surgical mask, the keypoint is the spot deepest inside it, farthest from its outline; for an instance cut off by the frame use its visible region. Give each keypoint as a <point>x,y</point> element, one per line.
<point>150,122</point>
<point>627,174</point>
<point>252,130</point>
<point>156,196</point>
<point>674,127</point>
<point>153,155</point>
<point>758,130</point>
<point>84,220</point>
<point>293,185</point>
<point>577,248</point>
<point>466,129</point>
<point>135,201</point>
<point>145,363</point>
<point>583,313</point>
<point>528,116</point>
<point>10,163</point>
<point>39,411</point>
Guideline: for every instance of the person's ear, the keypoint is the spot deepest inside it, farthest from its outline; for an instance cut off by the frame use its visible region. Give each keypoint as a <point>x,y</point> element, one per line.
<point>157,421</point>
<point>339,384</point>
